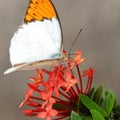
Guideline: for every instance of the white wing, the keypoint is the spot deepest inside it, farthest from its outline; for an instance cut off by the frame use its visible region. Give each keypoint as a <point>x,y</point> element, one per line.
<point>37,40</point>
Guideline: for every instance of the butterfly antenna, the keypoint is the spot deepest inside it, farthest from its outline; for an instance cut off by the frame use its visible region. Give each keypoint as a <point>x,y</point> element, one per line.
<point>75,40</point>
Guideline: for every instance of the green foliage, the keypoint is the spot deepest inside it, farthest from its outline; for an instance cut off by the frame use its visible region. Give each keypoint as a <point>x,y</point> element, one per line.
<point>109,102</point>
<point>98,95</point>
<point>116,111</point>
<point>96,115</point>
<point>97,105</point>
<point>92,92</point>
<point>75,116</point>
<point>90,104</point>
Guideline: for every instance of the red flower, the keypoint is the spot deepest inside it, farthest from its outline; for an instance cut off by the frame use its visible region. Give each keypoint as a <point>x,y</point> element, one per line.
<point>56,94</point>
<point>56,78</point>
<point>28,112</point>
<point>47,97</point>
<point>39,79</point>
<point>77,59</point>
<point>48,113</point>
<point>88,73</point>
<point>69,81</point>
<point>27,97</point>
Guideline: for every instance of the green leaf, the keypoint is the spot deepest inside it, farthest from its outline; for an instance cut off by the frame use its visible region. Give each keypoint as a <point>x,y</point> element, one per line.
<point>96,115</point>
<point>116,112</point>
<point>91,93</point>
<point>81,107</point>
<point>98,95</point>
<point>75,116</point>
<point>91,105</point>
<point>86,117</point>
<point>109,102</point>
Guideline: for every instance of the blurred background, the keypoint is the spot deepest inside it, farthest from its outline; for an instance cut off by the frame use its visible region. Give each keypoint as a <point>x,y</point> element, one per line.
<point>99,42</point>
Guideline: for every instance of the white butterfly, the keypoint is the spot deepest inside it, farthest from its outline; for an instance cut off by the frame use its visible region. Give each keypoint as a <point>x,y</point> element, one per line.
<point>38,41</point>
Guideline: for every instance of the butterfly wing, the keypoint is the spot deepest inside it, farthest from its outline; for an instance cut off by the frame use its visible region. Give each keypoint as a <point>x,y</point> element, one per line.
<point>39,38</point>
<point>39,10</point>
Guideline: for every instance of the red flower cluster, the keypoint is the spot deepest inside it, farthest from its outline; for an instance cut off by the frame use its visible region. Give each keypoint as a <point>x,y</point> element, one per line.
<point>55,93</point>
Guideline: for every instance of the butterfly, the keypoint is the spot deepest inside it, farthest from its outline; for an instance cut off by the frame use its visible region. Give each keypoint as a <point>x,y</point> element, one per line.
<point>38,42</point>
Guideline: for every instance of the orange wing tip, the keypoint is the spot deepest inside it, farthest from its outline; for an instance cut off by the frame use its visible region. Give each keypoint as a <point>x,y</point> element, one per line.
<point>40,9</point>
<point>28,18</point>
<point>34,14</point>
